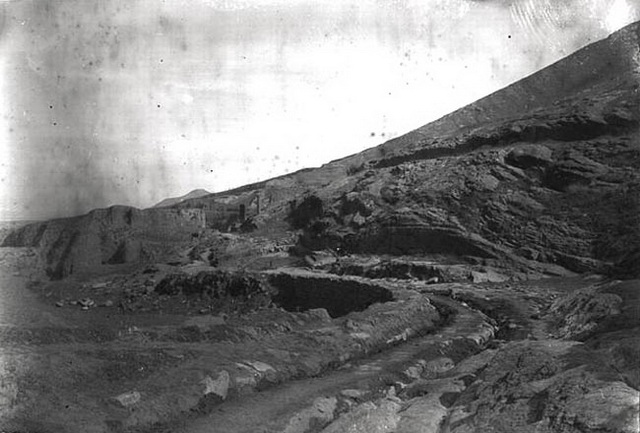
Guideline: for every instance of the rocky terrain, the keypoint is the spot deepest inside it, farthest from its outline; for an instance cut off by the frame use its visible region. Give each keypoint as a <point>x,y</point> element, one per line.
<point>479,274</point>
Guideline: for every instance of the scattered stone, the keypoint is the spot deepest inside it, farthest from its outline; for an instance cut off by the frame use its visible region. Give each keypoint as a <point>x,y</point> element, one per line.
<point>319,414</point>
<point>218,386</point>
<point>399,386</point>
<point>260,366</point>
<point>424,415</point>
<point>437,366</point>
<point>128,399</point>
<point>60,304</point>
<point>368,417</point>
<point>391,395</point>
<point>319,314</point>
<point>351,326</point>
<point>360,335</point>
<point>483,334</point>
<point>108,303</point>
<point>359,220</point>
<point>249,381</point>
<point>400,337</point>
<point>415,371</point>
<point>353,393</point>
<point>86,303</point>
<point>487,276</point>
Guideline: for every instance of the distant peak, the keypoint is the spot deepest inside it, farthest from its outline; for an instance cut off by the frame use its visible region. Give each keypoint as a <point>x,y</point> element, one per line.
<point>196,193</point>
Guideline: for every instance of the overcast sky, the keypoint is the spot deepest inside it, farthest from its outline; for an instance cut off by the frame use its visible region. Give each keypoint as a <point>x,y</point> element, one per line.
<point>132,101</point>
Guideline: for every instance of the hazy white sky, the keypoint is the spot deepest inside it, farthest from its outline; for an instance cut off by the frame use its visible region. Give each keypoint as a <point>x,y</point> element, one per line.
<point>132,101</point>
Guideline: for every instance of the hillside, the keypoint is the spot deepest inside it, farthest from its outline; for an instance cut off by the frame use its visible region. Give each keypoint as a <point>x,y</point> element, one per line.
<point>542,171</point>
<point>478,274</point>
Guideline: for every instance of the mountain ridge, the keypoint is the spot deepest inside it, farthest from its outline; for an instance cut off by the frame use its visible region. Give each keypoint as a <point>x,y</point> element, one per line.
<point>616,48</point>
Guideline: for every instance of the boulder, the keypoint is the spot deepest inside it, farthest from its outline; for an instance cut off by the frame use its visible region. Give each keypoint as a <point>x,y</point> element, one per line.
<point>218,386</point>
<point>321,412</point>
<point>128,399</point>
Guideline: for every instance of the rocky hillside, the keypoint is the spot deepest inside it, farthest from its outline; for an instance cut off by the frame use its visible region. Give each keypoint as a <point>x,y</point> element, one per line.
<point>396,290</point>
<point>541,172</point>
<point>8,227</point>
<point>539,176</point>
<point>604,65</point>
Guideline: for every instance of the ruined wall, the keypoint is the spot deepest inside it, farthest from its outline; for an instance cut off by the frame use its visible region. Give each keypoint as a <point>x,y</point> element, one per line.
<point>223,213</point>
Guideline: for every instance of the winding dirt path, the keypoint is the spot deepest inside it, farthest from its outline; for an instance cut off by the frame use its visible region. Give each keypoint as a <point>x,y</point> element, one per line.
<point>270,410</point>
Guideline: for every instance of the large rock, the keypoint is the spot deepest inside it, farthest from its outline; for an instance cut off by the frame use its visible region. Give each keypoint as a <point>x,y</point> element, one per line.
<point>218,386</point>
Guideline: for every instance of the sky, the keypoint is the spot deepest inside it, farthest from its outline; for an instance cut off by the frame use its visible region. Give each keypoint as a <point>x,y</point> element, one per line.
<point>132,101</point>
